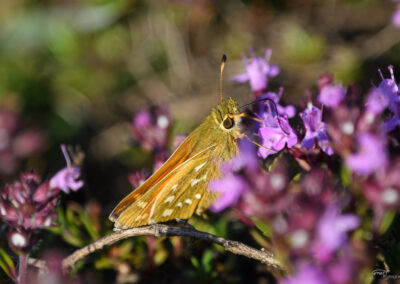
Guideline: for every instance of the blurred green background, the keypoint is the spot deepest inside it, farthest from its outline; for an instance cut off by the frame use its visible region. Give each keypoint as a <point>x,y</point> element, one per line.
<point>80,69</point>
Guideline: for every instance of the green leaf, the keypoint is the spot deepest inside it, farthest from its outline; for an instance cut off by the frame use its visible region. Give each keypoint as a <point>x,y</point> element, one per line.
<point>264,227</point>
<point>89,226</point>
<point>206,260</point>
<point>195,262</point>
<point>72,239</point>
<point>345,175</point>
<point>387,221</point>
<point>125,249</point>
<point>103,262</point>
<point>72,221</point>
<point>8,265</point>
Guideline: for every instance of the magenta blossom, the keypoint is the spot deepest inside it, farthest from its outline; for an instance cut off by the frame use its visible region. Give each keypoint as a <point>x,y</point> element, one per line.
<point>142,120</point>
<point>289,111</point>
<point>332,95</point>
<point>275,133</point>
<point>394,121</point>
<point>307,274</point>
<point>232,185</point>
<point>382,190</point>
<point>138,178</point>
<point>377,101</point>
<point>257,71</point>
<point>151,128</point>
<point>372,155</point>
<point>315,130</point>
<point>332,232</point>
<point>390,93</point>
<point>388,87</point>
<point>68,178</point>
<point>27,205</point>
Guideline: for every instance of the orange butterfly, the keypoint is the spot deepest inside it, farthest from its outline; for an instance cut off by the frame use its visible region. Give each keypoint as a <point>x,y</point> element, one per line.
<point>179,187</point>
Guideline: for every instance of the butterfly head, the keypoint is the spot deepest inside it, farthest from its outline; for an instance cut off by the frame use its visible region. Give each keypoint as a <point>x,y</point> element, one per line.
<point>228,116</point>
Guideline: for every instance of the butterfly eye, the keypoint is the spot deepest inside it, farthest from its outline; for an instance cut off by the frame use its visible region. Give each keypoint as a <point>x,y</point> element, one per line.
<point>228,123</point>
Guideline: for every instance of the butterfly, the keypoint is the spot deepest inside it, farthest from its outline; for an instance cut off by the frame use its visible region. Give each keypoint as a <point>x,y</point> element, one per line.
<point>179,188</point>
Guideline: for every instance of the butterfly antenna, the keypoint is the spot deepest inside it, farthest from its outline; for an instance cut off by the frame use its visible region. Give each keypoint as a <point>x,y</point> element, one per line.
<point>257,101</point>
<point>223,60</point>
<point>275,111</point>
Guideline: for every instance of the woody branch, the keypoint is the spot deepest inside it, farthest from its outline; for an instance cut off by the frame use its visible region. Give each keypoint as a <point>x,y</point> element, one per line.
<point>159,230</point>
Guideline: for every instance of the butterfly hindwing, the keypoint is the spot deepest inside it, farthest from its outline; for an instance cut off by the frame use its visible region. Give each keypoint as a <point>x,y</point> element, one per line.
<point>159,203</point>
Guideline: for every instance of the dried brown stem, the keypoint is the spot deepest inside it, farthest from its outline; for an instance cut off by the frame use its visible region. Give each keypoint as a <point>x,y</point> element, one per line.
<point>160,230</point>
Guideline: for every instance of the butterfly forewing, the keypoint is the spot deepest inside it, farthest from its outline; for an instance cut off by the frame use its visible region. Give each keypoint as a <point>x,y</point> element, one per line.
<point>182,154</point>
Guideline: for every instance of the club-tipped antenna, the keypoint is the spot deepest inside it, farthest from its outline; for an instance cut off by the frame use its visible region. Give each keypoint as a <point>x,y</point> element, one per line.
<point>223,60</point>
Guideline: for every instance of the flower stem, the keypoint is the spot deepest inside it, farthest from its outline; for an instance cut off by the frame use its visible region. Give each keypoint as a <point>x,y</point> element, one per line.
<point>23,265</point>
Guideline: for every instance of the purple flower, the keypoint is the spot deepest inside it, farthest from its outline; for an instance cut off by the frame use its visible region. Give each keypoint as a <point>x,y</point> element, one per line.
<point>315,129</point>
<point>332,95</point>
<point>68,178</point>
<point>257,71</point>
<point>232,185</point>
<point>24,208</point>
<point>151,128</point>
<point>388,87</point>
<point>138,178</point>
<point>307,274</point>
<point>289,111</point>
<point>142,120</point>
<point>372,155</point>
<point>377,101</point>
<point>343,270</point>
<point>178,140</point>
<point>382,190</point>
<point>393,121</point>
<point>390,97</point>
<point>332,232</point>
<point>396,17</point>
<point>275,133</point>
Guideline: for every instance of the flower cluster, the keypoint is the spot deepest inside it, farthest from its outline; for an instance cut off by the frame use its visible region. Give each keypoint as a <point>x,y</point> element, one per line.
<point>313,172</point>
<point>304,206</point>
<point>275,132</point>
<point>30,204</point>
<point>152,128</point>
<point>258,70</point>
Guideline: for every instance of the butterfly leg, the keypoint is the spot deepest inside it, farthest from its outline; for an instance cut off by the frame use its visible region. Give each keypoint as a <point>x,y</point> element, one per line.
<point>185,223</point>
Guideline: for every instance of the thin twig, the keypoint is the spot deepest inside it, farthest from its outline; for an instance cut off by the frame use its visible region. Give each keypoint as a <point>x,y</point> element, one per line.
<point>159,230</point>
<point>22,271</point>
